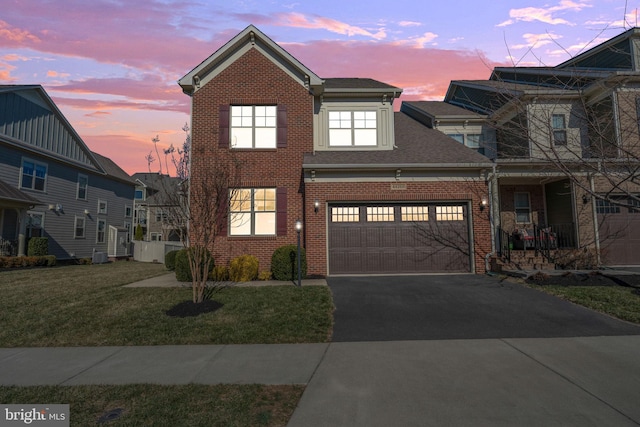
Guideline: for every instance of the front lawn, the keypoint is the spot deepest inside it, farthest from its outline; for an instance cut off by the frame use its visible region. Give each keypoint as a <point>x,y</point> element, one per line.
<point>156,405</point>
<point>86,305</point>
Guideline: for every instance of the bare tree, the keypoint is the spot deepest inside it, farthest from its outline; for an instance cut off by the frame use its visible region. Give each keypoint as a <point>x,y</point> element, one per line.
<point>196,206</point>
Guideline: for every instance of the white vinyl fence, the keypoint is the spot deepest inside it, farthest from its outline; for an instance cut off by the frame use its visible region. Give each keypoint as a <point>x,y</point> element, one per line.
<point>153,251</point>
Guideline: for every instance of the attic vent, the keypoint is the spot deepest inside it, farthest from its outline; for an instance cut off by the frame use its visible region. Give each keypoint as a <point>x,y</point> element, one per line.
<point>253,37</point>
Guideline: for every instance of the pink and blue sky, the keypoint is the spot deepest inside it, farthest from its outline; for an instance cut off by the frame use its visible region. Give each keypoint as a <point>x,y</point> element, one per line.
<point>111,66</point>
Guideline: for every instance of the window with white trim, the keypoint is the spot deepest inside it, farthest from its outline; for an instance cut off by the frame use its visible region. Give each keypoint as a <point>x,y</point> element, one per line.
<point>102,207</point>
<point>522,206</point>
<point>34,175</point>
<point>101,228</point>
<point>79,226</point>
<point>353,128</point>
<point>252,212</point>
<point>35,223</point>
<point>253,126</point>
<point>457,136</point>
<point>474,140</point>
<point>127,211</point>
<point>559,127</point>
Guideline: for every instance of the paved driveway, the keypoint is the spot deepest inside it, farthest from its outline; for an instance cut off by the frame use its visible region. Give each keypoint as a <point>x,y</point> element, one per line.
<point>438,307</point>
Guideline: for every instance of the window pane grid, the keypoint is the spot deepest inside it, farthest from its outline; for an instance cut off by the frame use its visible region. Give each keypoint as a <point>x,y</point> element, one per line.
<point>253,126</point>
<point>449,213</point>
<point>253,212</point>
<point>352,128</point>
<point>606,207</point>
<point>380,214</point>
<point>345,214</point>
<point>414,213</point>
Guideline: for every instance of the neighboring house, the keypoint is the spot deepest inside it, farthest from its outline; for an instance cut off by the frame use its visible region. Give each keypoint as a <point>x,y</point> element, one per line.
<point>155,197</point>
<point>376,190</point>
<point>559,136</point>
<point>52,185</point>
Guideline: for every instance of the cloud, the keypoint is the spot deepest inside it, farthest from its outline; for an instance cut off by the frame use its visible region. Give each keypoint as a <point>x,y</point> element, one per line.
<point>98,114</point>
<point>536,40</point>
<point>298,20</point>
<point>409,24</point>
<point>52,73</point>
<point>11,35</point>
<point>546,15</point>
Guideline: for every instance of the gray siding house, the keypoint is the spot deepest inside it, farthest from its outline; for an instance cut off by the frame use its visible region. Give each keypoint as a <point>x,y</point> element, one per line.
<point>52,185</point>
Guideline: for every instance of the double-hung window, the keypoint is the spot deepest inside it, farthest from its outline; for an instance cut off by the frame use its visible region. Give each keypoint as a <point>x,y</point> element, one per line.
<point>253,126</point>
<point>83,181</point>
<point>78,232</point>
<point>522,208</point>
<point>352,128</point>
<point>559,128</point>
<point>34,175</point>
<point>252,212</point>
<point>102,207</point>
<point>100,231</point>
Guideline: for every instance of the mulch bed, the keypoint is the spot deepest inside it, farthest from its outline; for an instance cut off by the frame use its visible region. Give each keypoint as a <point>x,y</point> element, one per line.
<point>594,278</point>
<point>191,309</point>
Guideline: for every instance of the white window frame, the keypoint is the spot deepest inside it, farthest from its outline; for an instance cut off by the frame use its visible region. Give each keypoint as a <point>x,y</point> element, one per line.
<point>34,176</point>
<point>128,211</point>
<point>154,236</point>
<point>471,142</point>
<point>252,213</point>
<point>142,193</point>
<point>522,209</point>
<point>83,221</point>
<point>80,187</point>
<point>100,210</point>
<point>104,230</point>
<point>353,128</point>
<point>559,134</point>
<point>253,126</point>
<point>31,214</point>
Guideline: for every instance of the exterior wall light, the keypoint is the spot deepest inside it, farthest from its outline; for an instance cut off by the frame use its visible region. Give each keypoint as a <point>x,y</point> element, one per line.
<point>483,203</point>
<point>316,206</point>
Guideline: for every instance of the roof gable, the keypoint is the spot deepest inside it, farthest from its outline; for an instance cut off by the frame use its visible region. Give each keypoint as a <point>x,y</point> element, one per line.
<point>30,119</point>
<point>249,38</point>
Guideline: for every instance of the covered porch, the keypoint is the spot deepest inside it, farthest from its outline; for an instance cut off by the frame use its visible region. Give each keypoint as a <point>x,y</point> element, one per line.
<point>14,207</point>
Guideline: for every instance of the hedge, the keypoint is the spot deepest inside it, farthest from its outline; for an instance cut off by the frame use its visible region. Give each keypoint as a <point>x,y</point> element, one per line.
<point>284,263</point>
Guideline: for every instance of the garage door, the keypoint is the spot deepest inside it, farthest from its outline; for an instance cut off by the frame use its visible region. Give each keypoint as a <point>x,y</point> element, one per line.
<point>619,233</point>
<point>398,238</point>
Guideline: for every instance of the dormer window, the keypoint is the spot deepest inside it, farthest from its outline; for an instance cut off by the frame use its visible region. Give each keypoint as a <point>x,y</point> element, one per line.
<point>352,128</point>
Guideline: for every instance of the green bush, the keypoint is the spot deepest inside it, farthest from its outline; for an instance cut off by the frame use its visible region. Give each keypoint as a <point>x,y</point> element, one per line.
<point>264,275</point>
<point>38,246</point>
<point>139,234</point>
<point>51,260</point>
<point>182,267</point>
<point>243,268</point>
<point>170,260</point>
<point>284,264</point>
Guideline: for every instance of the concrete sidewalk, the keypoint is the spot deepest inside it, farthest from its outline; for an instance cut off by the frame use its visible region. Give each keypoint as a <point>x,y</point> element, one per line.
<point>524,382</point>
<point>169,281</point>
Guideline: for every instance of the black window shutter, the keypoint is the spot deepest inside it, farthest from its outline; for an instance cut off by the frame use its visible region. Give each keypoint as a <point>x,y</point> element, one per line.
<point>282,126</point>
<point>223,127</point>
<point>281,211</point>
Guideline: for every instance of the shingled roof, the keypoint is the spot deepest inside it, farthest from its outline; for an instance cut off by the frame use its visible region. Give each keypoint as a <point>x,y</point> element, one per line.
<point>417,146</point>
<point>11,194</point>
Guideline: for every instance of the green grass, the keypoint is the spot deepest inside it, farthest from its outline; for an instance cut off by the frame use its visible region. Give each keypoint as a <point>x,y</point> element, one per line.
<point>616,301</point>
<point>155,405</point>
<point>87,306</point>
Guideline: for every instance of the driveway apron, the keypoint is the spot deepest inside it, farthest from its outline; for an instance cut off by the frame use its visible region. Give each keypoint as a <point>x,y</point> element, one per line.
<point>437,307</point>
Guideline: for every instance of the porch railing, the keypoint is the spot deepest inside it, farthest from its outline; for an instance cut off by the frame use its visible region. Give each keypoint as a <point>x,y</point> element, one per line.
<point>505,241</point>
<point>8,247</point>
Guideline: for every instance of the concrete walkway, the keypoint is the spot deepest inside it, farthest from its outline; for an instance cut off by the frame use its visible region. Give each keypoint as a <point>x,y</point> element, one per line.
<point>590,381</point>
<point>169,280</point>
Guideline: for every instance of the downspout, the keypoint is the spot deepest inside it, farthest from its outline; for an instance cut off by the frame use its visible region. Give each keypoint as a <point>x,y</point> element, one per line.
<point>491,179</point>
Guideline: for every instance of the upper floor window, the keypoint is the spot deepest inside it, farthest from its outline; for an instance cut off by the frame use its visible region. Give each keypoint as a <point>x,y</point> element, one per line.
<point>253,126</point>
<point>559,127</point>
<point>83,181</point>
<point>139,194</point>
<point>34,175</point>
<point>474,140</point>
<point>352,128</point>
<point>457,136</point>
<point>127,211</point>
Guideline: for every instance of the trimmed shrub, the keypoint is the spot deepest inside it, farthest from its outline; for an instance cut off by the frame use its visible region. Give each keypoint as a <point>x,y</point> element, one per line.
<point>51,260</point>
<point>170,260</point>
<point>182,267</point>
<point>220,273</point>
<point>264,275</point>
<point>139,234</point>
<point>243,268</point>
<point>38,246</point>
<point>284,263</point>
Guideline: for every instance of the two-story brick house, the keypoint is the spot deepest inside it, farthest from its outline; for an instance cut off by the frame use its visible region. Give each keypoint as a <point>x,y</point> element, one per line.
<point>565,141</point>
<point>375,190</point>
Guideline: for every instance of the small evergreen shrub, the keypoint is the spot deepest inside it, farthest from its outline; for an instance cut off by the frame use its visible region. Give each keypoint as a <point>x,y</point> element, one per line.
<point>182,267</point>
<point>243,268</point>
<point>38,246</point>
<point>264,275</point>
<point>220,273</point>
<point>139,234</point>
<point>170,260</point>
<point>284,263</point>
